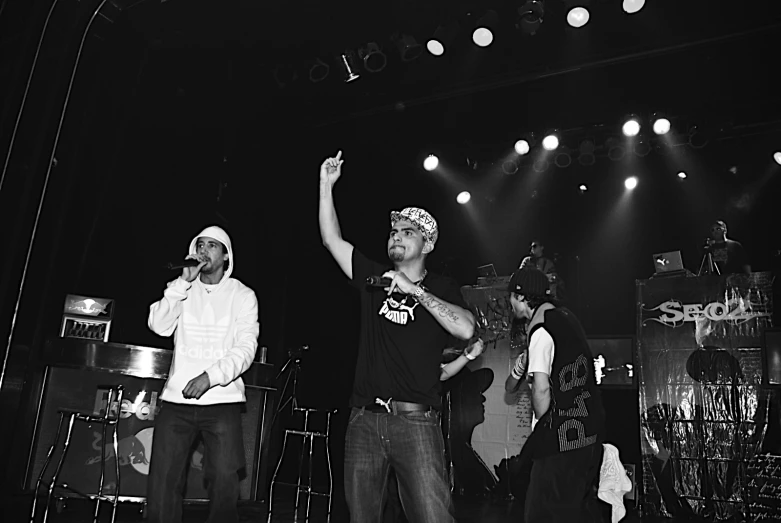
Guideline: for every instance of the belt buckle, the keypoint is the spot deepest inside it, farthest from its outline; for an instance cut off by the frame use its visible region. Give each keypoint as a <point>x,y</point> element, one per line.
<point>386,404</point>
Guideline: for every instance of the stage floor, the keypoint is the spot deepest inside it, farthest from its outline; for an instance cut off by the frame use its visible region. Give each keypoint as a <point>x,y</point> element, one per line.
<point>468,510</point>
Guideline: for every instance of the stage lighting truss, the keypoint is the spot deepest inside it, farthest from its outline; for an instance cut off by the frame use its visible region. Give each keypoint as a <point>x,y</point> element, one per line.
<point>530,17</point>
<point>374,60</point>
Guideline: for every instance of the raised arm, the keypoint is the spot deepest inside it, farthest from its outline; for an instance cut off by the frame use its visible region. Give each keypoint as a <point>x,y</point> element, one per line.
<point>330,232</point>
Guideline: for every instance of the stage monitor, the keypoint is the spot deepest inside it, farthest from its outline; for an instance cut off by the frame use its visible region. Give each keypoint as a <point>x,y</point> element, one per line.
<point>613,360</point>
<point>771,358</point>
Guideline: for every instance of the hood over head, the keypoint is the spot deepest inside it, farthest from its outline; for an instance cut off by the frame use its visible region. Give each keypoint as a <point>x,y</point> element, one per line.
<point>219,234</point>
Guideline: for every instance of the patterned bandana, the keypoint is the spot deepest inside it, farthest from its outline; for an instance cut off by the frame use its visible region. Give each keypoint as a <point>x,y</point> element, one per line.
<point>425,223</point>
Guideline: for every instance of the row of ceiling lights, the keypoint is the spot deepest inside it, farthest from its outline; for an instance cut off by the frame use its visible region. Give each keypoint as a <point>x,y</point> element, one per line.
<point>372,59</point>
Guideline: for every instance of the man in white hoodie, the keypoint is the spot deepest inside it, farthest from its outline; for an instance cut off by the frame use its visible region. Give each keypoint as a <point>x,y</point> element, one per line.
<point>214,320</point>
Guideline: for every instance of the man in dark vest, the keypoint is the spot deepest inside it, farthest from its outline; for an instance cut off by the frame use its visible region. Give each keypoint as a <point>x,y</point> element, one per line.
<point>568,424</point>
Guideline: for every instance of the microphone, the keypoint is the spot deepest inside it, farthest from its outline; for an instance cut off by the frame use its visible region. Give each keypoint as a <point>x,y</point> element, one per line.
<point>378,281</point>
<point>186,263</point>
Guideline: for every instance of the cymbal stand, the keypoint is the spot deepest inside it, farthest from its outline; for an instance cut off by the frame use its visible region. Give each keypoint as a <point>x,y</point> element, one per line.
<point>292,367</point>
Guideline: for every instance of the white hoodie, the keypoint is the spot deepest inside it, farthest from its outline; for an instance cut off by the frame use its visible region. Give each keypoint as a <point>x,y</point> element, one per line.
<point>215,332</point>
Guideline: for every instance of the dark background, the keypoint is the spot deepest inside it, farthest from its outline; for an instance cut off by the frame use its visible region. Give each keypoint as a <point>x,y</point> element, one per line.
<point>177,118</point>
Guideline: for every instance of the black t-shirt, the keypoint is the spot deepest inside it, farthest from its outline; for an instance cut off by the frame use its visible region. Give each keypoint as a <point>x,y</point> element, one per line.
<point>730,256</point>
<point>401,343</point>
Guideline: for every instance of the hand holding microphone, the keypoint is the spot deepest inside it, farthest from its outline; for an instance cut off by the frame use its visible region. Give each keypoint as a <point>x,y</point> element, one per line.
<point>190,272</point>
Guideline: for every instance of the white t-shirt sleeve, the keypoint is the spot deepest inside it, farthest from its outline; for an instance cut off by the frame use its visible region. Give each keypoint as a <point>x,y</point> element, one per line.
<point>540,356</point>
<point>541,352</point>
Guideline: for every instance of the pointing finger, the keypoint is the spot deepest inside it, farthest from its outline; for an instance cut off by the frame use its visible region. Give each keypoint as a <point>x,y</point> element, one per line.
<point>338,156</point>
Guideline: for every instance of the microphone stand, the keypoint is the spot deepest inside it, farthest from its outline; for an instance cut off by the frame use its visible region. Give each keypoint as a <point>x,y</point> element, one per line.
<point>292,366</point>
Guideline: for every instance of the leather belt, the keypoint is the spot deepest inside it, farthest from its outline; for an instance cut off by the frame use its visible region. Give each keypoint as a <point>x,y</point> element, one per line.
<point>396,407</point>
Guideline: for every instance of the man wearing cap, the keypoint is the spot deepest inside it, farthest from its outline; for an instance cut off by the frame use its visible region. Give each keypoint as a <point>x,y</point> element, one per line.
<point>728,255</point>
<point>395,420</point>
<point>568,424</point>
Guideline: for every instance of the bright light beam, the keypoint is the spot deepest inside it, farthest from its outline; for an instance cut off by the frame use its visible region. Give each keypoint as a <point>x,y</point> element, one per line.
<point>463,197</point>
<point>631,182</point>
<point>522,147</point>
<point>550,142</point>
<point>662,126</point>
<point>578,16</point>
<point>430,163</point>
<point>631,128</point>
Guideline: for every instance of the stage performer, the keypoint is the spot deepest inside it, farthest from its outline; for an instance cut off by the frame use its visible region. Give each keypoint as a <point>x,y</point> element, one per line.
<point>568,425</point>
<point>395,417</point>
<point>537,259</point>
<point>728,255</point>
<point>214,320</point>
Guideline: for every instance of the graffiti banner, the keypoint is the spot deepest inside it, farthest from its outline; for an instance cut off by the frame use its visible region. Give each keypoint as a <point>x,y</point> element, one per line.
<point>703,413</point>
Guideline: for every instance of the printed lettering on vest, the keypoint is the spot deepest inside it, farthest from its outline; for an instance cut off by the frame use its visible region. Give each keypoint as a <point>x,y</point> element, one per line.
<point>581,411</point>
<point>580,441</point>
<point>574,374</point>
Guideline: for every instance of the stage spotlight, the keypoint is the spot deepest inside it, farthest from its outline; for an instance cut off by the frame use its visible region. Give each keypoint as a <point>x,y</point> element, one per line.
<point>442,39</point>
<point>698,137</point>
<point>463,197</point>
<point>586,156</point>
<point>319,71</point>
<point>510,166</point>
<point>408,47</point>
<point>631,182</point>
<point>661,126</point>
<point>522,147</point>
<point>541,165</point>
<point>777,157</point>
<point>347,60</point>
<point>633,6</point>
<point>562,158</point>
<point>642,147</point>
<point>578,16</point>
<point>373,59</point>
<point>284,75</point>
<point>530,17</point>
<point>550,142</point>
<point>431,162</point>
<point>615,150</point>
<point>682,175</point>
<point>631,127</point>
<point>483,34</point>
<point>583,188</point>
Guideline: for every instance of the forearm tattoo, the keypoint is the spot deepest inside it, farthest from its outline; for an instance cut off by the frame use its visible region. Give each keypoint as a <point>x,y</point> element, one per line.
<point>443,310</point>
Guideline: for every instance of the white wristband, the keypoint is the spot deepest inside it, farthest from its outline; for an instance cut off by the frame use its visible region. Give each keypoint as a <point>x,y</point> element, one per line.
<point>469,356</point>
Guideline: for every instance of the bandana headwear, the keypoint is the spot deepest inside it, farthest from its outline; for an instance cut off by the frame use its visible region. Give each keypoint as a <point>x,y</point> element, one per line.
<point>425,223</point>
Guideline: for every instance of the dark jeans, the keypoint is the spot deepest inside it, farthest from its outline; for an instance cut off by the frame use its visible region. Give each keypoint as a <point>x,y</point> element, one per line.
<point>412,444</point>
<point>176,427</point>
<point>562,487</point>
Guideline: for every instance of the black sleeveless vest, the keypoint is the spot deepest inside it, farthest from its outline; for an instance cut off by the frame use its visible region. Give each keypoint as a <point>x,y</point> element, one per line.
<point>576,418</point>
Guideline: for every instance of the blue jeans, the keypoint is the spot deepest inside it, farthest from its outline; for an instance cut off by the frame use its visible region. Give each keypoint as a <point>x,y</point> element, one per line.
<point>412,444</point>
<point>176,427</point>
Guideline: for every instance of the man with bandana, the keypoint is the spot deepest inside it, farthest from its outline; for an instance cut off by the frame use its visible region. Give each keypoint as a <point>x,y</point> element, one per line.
<point>395,417</point>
